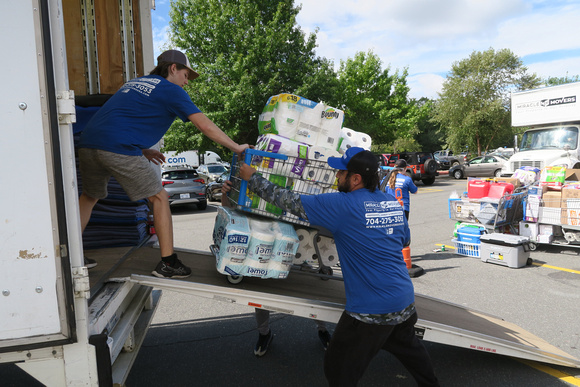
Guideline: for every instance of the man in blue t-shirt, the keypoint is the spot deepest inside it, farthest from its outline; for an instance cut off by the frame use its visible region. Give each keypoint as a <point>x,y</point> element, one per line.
<point>370,231</point>
<point>117,141</point>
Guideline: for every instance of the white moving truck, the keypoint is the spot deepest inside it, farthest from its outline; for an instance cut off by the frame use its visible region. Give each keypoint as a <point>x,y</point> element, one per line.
<point>553,116</point>
<point>66,328</point>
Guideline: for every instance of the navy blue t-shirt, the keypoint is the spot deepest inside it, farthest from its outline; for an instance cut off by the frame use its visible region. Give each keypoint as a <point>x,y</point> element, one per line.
<point>370,230</point>
<point>137,116</point>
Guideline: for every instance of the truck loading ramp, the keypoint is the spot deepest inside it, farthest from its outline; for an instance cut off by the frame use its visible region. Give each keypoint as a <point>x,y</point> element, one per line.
<point>306,295</point>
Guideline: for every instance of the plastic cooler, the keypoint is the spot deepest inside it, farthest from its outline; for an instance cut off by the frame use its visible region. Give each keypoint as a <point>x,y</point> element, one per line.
<point>469,234</point>
<point>504,249</point>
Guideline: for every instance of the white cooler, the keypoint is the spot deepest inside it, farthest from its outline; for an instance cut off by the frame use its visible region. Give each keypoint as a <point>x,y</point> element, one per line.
<point>504,249</point>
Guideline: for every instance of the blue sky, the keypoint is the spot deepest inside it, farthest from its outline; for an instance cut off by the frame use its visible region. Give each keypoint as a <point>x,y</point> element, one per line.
<point>427,36</point>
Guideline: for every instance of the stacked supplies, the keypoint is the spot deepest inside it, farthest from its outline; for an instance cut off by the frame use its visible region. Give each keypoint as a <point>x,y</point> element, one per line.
<point>254,247</point>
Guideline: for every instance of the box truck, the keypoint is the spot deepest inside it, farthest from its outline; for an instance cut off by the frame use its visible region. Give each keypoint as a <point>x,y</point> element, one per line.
<point>68,328</point>
<point>552,115</point>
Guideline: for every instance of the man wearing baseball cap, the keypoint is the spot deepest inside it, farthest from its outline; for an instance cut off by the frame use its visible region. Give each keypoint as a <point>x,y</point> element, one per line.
<point>117,142</point>
<point>370,231</point>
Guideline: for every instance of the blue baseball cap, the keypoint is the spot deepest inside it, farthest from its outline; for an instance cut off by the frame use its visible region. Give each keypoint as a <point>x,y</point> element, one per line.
<point>355,159</point>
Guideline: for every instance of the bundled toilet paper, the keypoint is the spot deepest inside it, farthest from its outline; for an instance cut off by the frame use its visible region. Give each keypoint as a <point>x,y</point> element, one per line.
<point>345,143</point>
<point>304,187</point>
<point>319,173</point>
<point>306,253</point>
<point>284,250</point>
<point>259,248</point>
<point>328,253</point>
<point>350,138</point>
<point>364,140</point>
<point>232,235</point>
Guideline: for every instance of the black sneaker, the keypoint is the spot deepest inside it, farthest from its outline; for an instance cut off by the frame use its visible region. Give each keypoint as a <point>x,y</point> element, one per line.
<point>324,337</point>
<point>177,270</point>
<point>263,344</point>
<point>90,263</point>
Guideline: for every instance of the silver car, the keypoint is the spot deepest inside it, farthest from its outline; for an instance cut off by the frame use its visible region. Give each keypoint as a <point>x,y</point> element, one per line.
<point>184,186</point>
<point>482,166</point>
<point>210,172</point>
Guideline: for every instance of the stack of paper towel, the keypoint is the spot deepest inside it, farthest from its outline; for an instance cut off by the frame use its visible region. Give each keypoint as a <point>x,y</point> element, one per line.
<point>301,119</point>
<point>253,247</point>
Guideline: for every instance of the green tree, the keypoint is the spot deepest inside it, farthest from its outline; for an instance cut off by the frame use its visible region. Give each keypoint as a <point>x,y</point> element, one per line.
<point>376,102</point>
<point>554,81</point>
<point>245,51</point>
<point>430,138</point>
<point>474,105</point>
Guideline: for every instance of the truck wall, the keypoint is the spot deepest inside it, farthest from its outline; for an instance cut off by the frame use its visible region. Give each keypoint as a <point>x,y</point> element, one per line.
<point>556,104</point>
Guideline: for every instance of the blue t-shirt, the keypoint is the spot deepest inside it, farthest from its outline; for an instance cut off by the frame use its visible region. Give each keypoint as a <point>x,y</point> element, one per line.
<point>369,230</point>
<point>403,184</point>
<point>137,116</point>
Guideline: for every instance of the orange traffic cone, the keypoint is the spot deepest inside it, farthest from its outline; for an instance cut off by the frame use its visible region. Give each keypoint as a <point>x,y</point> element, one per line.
<point>407,256</point>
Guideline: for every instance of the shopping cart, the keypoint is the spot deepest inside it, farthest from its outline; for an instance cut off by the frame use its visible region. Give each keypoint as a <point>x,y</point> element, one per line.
<point>302,176</point>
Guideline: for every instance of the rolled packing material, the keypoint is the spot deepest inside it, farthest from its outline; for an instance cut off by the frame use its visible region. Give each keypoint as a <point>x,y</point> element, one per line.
<point>328,253</point>
<point>260,248</point>
<point>232,235</point>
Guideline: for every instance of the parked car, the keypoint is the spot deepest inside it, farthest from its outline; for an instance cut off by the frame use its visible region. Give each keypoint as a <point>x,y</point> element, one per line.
<point>420,165</point>
<point>210,172</point>
<point>184,186</point>
<point>447,159</point>
<point>214,189</point>
<point>481,166</point>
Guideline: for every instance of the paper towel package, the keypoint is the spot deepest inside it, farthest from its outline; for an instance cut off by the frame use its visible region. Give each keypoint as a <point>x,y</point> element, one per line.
<point>330,130</point>
<point>282,114</point>
<point>232,235</point>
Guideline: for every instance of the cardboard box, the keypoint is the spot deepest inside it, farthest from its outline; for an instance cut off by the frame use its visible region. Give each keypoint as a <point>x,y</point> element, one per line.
<point>552,199</point>
<point>573,174</point>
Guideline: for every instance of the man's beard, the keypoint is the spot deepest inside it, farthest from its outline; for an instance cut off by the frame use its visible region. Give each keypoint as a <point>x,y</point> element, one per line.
<point>345,186</point>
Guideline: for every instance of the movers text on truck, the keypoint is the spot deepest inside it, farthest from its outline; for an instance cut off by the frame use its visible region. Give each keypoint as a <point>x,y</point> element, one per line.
<point>553,116</point>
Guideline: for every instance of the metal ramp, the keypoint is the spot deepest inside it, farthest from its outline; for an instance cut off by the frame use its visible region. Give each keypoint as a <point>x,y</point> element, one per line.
<point>305,295</point>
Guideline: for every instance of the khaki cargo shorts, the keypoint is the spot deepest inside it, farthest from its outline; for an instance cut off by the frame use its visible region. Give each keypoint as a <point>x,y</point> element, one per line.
<point>138,176</point>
